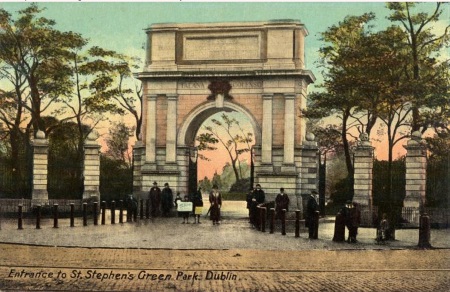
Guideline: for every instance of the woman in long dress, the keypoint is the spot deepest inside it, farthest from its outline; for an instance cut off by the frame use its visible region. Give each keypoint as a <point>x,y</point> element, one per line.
<point>216,203</point>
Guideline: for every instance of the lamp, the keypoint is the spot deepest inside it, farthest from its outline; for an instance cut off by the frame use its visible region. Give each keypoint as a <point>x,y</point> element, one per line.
<point>193,154</point>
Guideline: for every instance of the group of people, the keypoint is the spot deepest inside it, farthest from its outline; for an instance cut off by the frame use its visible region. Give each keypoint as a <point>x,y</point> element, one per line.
<point>160,202</point>
<point>256,196</point>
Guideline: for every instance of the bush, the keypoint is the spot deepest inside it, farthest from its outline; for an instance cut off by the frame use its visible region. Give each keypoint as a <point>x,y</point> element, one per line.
<point>241,186</point>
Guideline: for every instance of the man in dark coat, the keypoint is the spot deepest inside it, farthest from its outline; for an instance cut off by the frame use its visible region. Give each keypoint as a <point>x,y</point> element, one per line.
<point>258,198</point>
<point>249,204</point>
<point>311,208</point>
<point>154,197</point>
<point>352,215</point>
<point>132,207</point>
<point>166,200</point>
<point>281,202</point>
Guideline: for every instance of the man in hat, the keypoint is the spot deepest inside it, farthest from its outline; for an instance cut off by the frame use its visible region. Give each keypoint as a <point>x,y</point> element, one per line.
<point>352,215</point>
<point>311,208</point>
<point>281,202</point>
<point>258,198</point>
<point>154,197</point>
<point>166,200</point>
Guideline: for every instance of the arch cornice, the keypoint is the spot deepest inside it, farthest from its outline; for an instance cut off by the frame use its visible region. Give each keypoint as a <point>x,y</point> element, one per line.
<point>199,114</point>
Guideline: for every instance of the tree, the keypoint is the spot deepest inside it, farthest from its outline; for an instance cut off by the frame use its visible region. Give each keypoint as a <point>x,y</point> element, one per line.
<point>63,166</point>
<point>117,142</point>
<point>343,60</point>
<point>236,142</point>
<point>37,54</point>
<point>424,49</point>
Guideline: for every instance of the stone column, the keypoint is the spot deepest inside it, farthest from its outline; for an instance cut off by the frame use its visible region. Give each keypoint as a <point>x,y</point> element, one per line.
<point>39,193</point>
<point>171,133</point>
<point>266,155</point>
<point>289,132</point>
<point>363,166</point>
<point>150,135</point>
<point>416,165</point>
<point>309,170</point>
<point>91,167</point>
<point>138,161</point>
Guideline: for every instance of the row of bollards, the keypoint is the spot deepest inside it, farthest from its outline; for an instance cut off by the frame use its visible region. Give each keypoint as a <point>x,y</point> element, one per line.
<point>72,214</point>
<point>262,221</point>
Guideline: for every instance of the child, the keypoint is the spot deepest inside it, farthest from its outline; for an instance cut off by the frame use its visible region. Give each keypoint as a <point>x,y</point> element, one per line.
<point>177,199</point>
<point>186,214</point>
<point>382,231</point>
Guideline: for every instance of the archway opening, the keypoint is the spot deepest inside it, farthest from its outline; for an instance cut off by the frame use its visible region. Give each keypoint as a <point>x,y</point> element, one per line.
<point>224,138</point>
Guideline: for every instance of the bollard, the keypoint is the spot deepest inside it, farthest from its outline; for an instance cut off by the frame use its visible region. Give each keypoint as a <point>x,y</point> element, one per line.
<point>424,231</point>
<point>38,217</point>
<point>120,211</point>
<point>297,223</point>
<point>259,210</point>
<point>263,221</point>
<point>316,225</point>
<point>113,212</point>
<point>283,222</point>
<point>55,215</point>
<point>20,221</point>
<point>72,215</point>
<point>103,212</point>
<point>95,213</point>
<point>147,209</point>
<point>272,220</point>
<point>135,215</point>
<point>339,228</point>
<point>141,211</point>
<point>85,214</point>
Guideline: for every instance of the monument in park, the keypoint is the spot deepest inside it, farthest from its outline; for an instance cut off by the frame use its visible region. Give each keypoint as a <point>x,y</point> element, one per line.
<point>193,71</point>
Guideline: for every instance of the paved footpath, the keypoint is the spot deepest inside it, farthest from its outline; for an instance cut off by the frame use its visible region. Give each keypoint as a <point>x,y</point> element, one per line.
<point>164,255</point>
<point>25,267</point>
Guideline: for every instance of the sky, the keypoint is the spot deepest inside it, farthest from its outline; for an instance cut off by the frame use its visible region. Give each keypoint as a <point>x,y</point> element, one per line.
<point>120,25</point>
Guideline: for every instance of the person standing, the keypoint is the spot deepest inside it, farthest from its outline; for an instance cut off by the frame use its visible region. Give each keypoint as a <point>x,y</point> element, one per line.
<point>215,199</point>
<point>249,204</point>
<point>177,200</point>
<point>258,198</point>
<point>186,213</point>
<point>353,220</point>
<point>154,197</point>
<point>166,200</point>
<point>281,202</point>
<point>310,220</point>
<point>197,205</point>
<point>132,207</point>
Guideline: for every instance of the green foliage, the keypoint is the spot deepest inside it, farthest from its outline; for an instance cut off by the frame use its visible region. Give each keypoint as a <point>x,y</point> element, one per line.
<point>343,192</point>
<point>117,142</point>
<point>205,184</point>
<point>65,160</point>
<point>116,179</point>
<point>241,186</point>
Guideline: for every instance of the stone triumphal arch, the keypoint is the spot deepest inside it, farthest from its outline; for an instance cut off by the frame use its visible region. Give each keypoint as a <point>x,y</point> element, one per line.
<point>195,70</point>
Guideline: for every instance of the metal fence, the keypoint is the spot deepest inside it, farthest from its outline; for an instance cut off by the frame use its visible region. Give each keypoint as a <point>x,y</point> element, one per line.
<point>10,205</point>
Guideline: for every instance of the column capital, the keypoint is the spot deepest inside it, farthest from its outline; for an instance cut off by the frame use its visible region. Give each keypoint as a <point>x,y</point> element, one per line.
<point>151,97</point>
<point>172,97</point>
<point>289,96</point>
<point>267,96</point>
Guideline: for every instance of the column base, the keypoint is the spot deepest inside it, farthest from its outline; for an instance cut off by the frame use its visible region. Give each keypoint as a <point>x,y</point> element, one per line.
<point>267,168</point>
<point>288,168</point>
